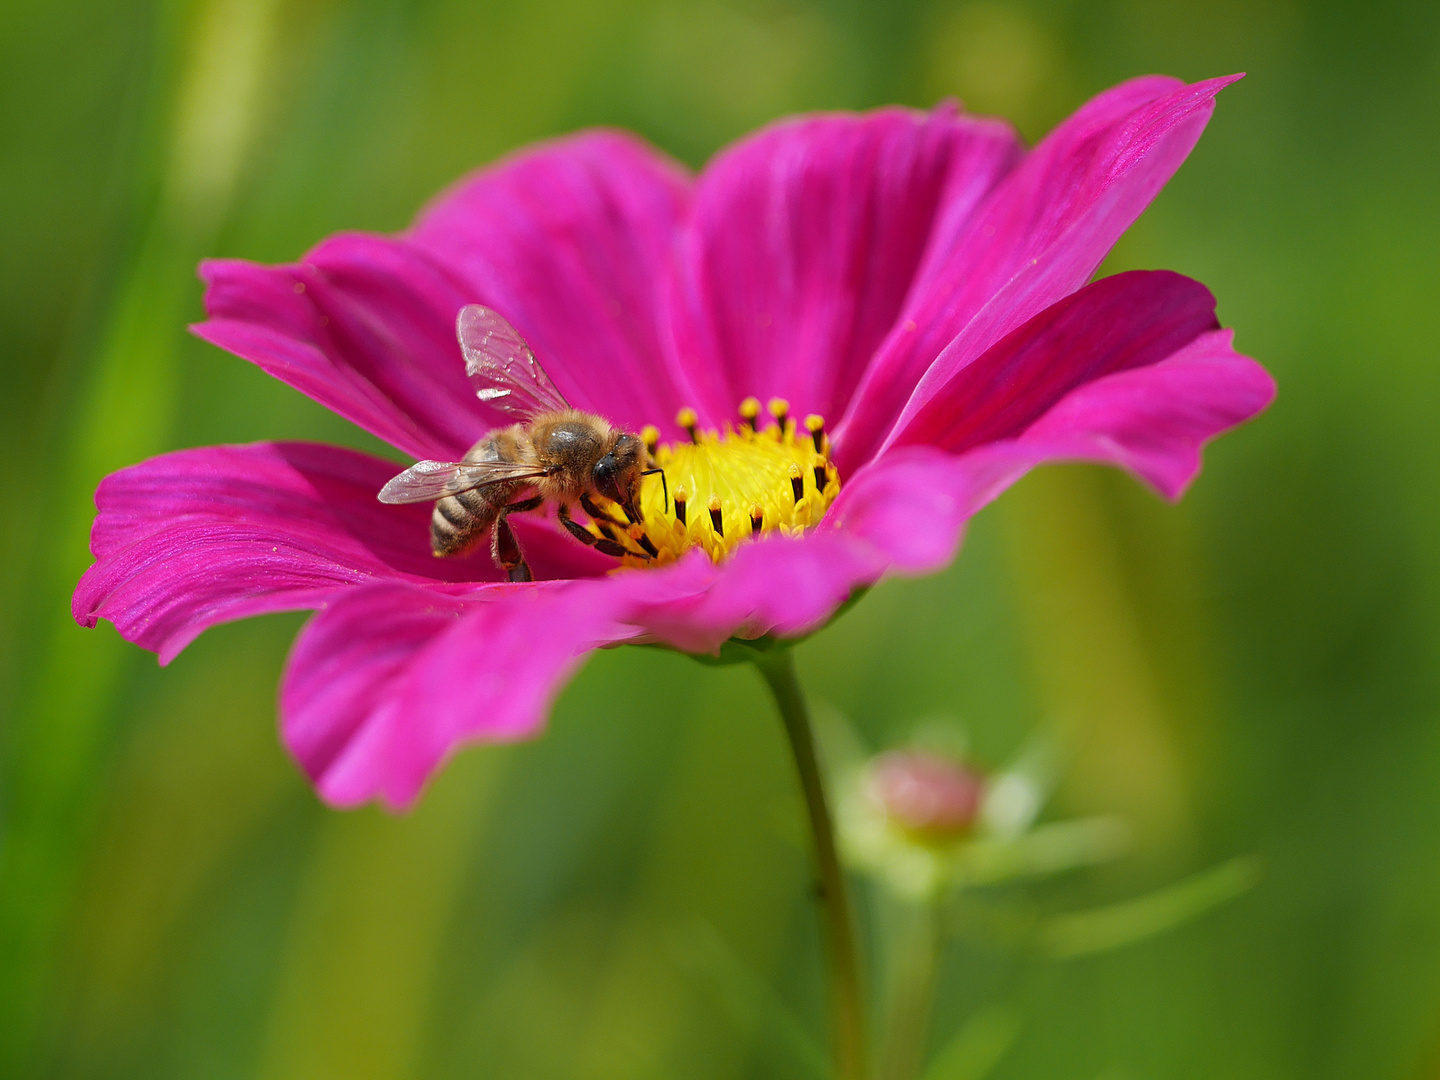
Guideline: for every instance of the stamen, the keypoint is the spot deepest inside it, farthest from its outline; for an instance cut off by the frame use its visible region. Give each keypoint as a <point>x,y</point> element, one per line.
<point>816,426</point>
<point>745,474</point>
<point>650,436</point>
<point>780,410</point>
<point>750,412</point>
<point>687,419</point>
<point>637,533</point>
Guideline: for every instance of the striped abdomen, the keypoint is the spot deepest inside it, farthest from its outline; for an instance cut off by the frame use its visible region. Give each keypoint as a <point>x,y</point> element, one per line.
<point>458,521</point>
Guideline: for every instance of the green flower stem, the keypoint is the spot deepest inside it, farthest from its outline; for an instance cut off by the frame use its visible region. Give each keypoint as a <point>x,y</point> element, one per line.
<point>916,954</point>
<point>847,1000</point>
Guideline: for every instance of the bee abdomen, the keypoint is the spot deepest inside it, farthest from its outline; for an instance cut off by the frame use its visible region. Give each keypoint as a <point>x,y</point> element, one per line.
<point>458,521</point>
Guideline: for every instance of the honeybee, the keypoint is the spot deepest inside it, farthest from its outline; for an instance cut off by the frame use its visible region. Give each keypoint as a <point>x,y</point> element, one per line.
<point>558,454</point>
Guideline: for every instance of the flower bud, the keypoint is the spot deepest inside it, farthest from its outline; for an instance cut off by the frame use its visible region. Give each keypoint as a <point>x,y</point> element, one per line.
<point>926,793</point>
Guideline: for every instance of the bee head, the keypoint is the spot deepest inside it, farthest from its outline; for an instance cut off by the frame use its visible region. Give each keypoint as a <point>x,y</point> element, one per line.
<point>617,474</point>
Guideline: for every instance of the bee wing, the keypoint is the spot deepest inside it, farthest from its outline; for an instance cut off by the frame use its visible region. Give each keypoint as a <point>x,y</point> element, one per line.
<point>502,368</point>
<point>426,481</point>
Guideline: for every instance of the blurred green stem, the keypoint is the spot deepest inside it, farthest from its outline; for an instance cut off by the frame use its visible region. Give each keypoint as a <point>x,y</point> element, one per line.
<point>908,1017</point>
<point>847,1002</point>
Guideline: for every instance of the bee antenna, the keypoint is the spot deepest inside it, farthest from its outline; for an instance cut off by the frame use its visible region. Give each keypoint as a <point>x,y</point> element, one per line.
<point>664,484</point>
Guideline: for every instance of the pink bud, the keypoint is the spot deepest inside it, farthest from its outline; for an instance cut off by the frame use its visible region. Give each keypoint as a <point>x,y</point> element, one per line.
<point>926,793</point>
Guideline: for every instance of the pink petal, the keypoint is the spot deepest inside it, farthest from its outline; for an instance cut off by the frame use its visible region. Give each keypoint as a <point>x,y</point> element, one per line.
<point>386,683</point>
<point>191,539</point>
<point>571,243</point>
<point>1125,321</point>
<point>913,503</point>
<point>784,586</point>
<point>804,242</point>
<point>1154,421</point>
<point>1038,238</point>
<point>365,325</point>
<point>389,680</point>
<point>346,660</point>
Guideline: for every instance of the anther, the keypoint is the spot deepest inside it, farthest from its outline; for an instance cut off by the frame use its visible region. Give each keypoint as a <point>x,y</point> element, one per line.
<point>780,410</point>
<point>738,473</point>
<point>750,412</point>
<point>637,534</point>
<point>687,419</point>
<point>650,436</point>
<point>816,426</point>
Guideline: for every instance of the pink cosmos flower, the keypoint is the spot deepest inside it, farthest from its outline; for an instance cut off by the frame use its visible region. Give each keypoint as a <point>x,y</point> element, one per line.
<point>918,279</point>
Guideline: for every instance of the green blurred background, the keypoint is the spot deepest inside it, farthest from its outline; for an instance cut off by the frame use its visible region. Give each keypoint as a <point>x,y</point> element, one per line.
<point>1252,671</point>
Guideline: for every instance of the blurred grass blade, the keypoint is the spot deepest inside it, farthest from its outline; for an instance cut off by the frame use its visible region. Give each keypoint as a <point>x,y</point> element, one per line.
<point>977,1047</point>
<point>353,994</point>
<point>123,414</point>
<point>746,998</point>
<point>1086,932</point>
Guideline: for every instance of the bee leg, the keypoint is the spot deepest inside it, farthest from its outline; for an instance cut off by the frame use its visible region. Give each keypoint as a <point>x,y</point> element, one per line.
<point>505,548</point>
<point>585,536</point>
<point>664,484</point>
<point>599,513</point>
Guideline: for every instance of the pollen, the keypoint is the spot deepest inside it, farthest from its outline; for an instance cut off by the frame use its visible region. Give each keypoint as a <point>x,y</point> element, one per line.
<point>720,488</point>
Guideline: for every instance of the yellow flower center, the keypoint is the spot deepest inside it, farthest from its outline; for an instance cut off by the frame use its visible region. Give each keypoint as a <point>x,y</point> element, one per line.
<point>720,489</point>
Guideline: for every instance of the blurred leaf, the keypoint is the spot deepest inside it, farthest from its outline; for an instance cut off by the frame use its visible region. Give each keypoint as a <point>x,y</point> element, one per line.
<point>1015,796</point>
<point>1045,849</point>
<point>1130,921</point>
<point>977,1047</point>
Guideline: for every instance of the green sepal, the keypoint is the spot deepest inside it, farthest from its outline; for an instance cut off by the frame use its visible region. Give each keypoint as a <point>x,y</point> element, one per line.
<point>753,650</point>
<point>745,651</point>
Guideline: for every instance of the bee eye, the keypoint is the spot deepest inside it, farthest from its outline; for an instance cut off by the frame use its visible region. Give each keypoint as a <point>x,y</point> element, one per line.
<point>606,471</point>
